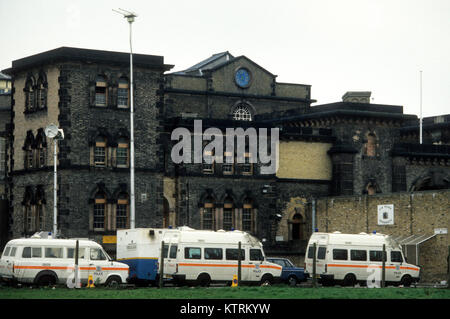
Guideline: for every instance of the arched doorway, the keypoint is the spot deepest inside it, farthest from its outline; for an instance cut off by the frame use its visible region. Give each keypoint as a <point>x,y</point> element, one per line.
<point>166,215</point>
<point>296,230</point>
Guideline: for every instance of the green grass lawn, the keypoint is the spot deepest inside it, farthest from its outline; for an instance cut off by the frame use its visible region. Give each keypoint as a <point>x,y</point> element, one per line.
<point>273,292</point>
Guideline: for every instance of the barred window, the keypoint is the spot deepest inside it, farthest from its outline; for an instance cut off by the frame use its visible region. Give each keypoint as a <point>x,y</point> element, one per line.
<point>122,154</point>
<point>99,211</point>
<point>123,93</point>
<point>248,216</point>
<point>101,91</point>
<point>100,152</point>
<point>242,113</point>
<point>122,211</point>
<point>208,215</point>
<point>228,221</point>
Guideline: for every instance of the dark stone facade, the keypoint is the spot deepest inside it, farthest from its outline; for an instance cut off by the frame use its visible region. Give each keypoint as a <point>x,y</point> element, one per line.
<point>372,148</point>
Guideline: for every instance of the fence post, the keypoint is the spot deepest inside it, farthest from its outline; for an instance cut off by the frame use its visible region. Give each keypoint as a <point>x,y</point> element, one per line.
<point>383,267</point>
<point>161,266</point>
<point>448,268</point>
<point>77,245</point>
<point>314,266</point>
<point>239,264</point>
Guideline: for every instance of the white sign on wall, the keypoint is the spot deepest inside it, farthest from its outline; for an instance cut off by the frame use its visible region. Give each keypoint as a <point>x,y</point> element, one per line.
<point>386,214</point>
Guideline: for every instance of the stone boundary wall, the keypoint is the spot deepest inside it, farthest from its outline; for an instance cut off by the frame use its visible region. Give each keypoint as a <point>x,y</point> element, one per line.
<point>418,213</point>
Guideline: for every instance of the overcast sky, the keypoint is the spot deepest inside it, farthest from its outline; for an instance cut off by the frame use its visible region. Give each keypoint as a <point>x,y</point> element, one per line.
<point>334,45</point>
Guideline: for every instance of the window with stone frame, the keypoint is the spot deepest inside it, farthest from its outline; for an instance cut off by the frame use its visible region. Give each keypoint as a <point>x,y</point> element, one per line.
<point>101,91</point>
<point>123,93</point>
<point>122,211</point>
<point>208,161</point>
<point>100,152</point>
<point>99,212</point>
<point>41,149</point>
<point>248,216</point>
<point>247,166</point>
<point>123,153</point>
<point>228,163</point>
<point>41,91</point>
<point>228,214</point>
<point>208,214</point>
<point>28,151</point>
<point>242,113</point>
<point>30,94</point>
<point>3,141</point>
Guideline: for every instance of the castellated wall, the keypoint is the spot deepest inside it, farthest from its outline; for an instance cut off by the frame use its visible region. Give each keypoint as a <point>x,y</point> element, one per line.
<point>418,213</point>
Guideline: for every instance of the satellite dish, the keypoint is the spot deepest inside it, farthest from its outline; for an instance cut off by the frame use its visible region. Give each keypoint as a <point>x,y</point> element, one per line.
<point>51,131</point>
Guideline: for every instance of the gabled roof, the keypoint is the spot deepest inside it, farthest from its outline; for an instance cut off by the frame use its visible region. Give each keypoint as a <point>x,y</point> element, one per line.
<point>207,64</point>
<point>216,61</point>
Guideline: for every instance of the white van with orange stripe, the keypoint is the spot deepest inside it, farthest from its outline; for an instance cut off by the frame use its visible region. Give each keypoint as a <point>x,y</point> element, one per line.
<point>358,258</point>
<point>195,256</point>
<point>45,261</point>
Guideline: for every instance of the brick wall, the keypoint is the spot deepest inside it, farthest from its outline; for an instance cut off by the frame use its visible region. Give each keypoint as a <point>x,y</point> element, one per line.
<point>414,214</point>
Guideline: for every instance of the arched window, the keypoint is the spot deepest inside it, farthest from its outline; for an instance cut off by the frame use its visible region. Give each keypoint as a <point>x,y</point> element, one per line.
<point>228,214</point>
<point>101,92</point>
<point>28,149</point>
<point>242,113</point>
<point>99,211</point>
<point>208,220</point>
<point>29,94</point>
<point>29,221</point>
<point>41,91</point>
<point>123,93</point>
<point>41,149</point>
<point>122,211</point>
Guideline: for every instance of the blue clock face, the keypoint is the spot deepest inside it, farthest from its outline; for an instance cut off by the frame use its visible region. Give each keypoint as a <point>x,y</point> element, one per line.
<point>242,78</point>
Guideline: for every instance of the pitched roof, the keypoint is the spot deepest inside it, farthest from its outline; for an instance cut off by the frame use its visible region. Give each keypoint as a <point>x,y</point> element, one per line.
<point>207,64</point>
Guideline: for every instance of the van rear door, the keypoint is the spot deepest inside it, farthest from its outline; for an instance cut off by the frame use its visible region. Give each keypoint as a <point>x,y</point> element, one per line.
<point>7,262</point>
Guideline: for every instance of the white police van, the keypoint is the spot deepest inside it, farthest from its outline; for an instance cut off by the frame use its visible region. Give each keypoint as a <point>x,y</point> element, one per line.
<point>358,258</point>
<point>44,261</point>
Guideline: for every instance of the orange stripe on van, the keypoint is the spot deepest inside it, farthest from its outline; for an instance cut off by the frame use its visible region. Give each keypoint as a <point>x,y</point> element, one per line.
<point>226,265</point>
<point>370,266</point>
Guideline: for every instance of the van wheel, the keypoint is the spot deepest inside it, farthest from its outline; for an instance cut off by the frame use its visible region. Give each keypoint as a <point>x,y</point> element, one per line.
<point>204,280</point>
<point>406,281</point>
<point>267,280</point>
<point>292,280</point>
<point>45,279</point>
<point>113,282</point>
<point>349,280</point>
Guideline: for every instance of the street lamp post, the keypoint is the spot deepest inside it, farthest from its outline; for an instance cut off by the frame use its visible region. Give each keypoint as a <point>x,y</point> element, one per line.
<point>130,18</point>
<point>53,132</point>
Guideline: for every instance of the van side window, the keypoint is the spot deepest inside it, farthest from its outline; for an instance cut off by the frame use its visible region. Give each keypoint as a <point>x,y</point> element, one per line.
<point>173,251</point>
<point>71,253</point>
<point>396,257</point>
<point>192,253</point>
<point>97,254</point>
<point>53,252</point>
<point>232,254</point>
<point>12,253</point>
<point>256,254</point>
<point>36,252</point>
<point>6,251</point>
<point>340,254</point>
<point>214,253</point>
<point>321,252</point>
<point>26,252</point>
<point>166,250</point>
<point>358,255</point>
<point>311,252</point>
<point>376,255</point>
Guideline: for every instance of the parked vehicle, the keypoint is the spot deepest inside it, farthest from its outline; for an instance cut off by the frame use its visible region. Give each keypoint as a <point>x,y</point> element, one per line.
<point>48,261</point>
<point>357,258</point>
<point>290,273</point>
<point>194,256</point>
